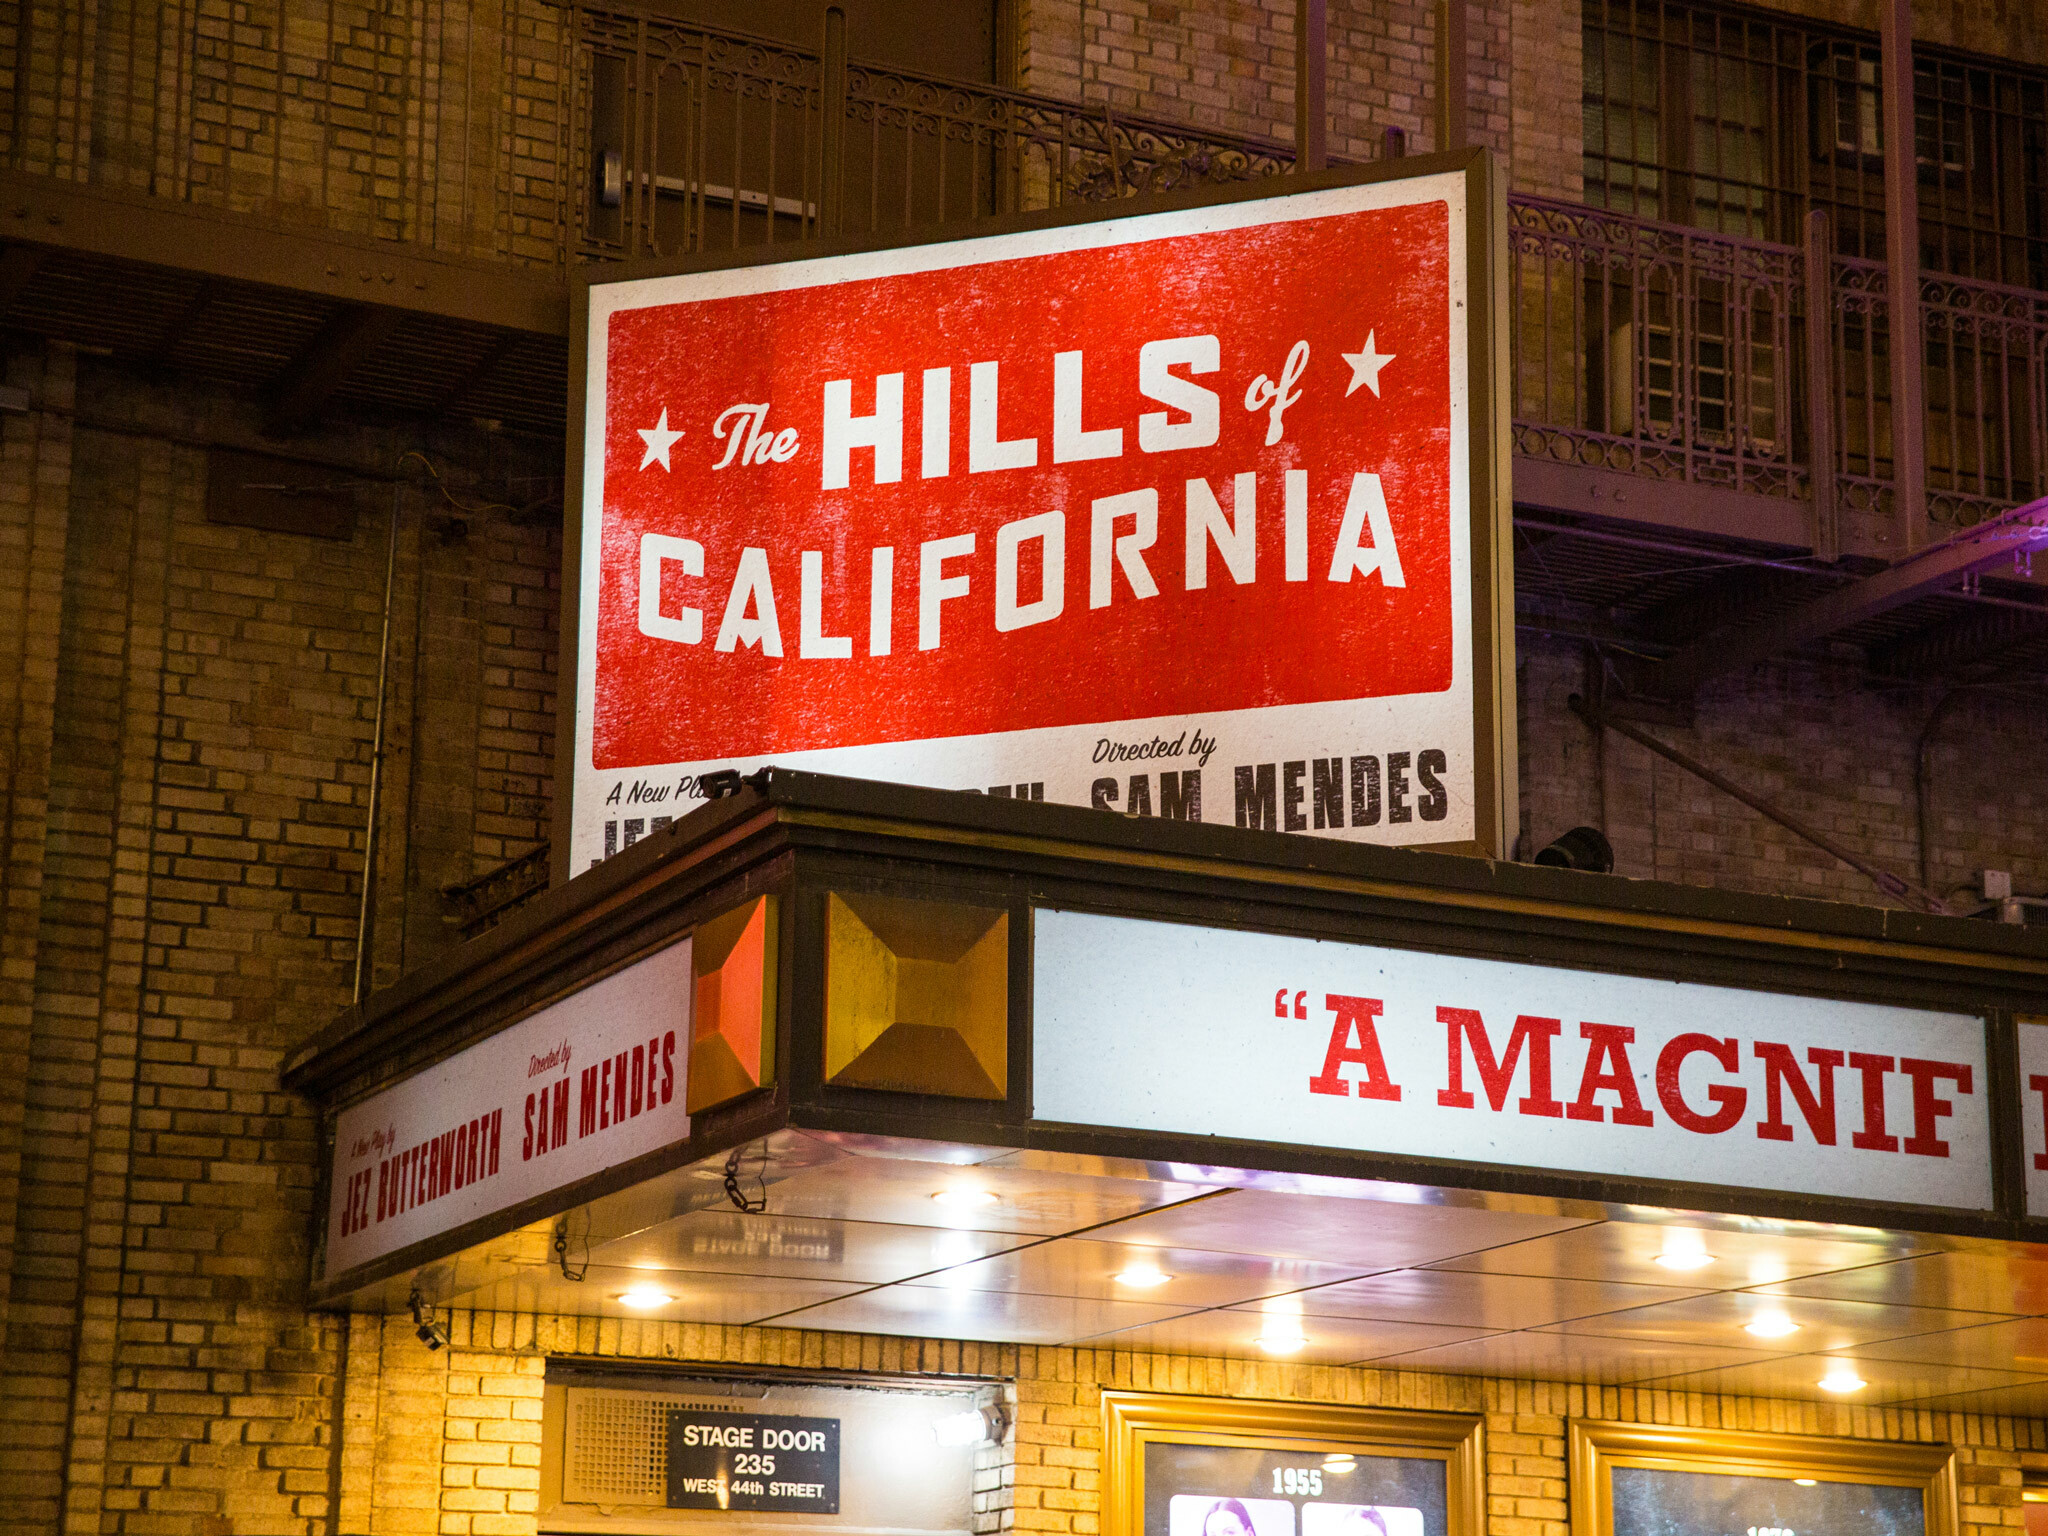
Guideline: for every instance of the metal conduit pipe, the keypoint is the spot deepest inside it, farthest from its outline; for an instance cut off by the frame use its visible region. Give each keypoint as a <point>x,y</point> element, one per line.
<point>1923,780</point>
<point>365,947</point>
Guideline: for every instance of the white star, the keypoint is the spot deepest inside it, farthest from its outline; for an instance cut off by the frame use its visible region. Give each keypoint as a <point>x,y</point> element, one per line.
<point>659,438</point>
<point>1366,364</point>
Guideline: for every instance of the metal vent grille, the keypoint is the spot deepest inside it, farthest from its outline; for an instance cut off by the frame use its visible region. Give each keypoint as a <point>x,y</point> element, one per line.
<point>617,1445</point>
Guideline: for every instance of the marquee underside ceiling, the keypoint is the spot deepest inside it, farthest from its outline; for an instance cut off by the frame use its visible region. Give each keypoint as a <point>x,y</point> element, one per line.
<point>1392,1276</point>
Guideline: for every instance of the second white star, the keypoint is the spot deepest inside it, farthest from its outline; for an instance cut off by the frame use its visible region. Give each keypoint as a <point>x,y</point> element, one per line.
<point>1366,364</point>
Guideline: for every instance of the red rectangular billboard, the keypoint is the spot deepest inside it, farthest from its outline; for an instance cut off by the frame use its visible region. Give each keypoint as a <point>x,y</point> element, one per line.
<point>1170,514</point>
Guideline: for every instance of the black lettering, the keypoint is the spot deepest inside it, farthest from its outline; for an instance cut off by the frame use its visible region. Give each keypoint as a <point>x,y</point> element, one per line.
<point>1037,788</point>
<point>1102,794</point>
<point>1000,791</point>
<point>1327,777</point>
<point>1398,808</point>
<point>1180,795</point>
<point>1427,766</point>
<point>1365,791</point>
<point>1139,801</point>
<point>633,830</point>
<point>1255,798</point>
<point>1291,796</point>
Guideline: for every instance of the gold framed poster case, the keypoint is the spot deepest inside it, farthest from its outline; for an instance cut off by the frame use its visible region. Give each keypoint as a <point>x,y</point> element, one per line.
<point>1133,1420</point>
<point>1596,1448</point>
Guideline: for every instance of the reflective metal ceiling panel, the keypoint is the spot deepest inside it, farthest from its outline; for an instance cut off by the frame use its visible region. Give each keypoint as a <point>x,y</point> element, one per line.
<point>1571,1357</point>
<point>1632,1251</point>
<point>1192,1277</point>
<point>1360,1235</point>
<point>1481,1300</point>
<point>863,1252</point>
<point>1977,1280</point>
<point>912,1193</point>
<point>1884,1381</point>
<point>1780,1322</point>
<point>945,1312</point>
<point>1235,1334</point>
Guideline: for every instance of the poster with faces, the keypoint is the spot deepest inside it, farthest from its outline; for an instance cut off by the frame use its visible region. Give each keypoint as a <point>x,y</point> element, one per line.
<point>1208,1490</point>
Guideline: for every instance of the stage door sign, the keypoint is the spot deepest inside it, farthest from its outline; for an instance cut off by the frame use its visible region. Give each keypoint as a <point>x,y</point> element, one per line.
<point>753,1461</point>
<point>1659,1502</point>
<point>1220,1490</point>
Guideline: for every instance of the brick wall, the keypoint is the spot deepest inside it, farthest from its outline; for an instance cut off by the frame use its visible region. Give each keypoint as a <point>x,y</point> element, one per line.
<point>463,1454</point>
<point>1821,742</point>
<point>188,717</point>
<point>435,123</point>
<point>1229,64</point>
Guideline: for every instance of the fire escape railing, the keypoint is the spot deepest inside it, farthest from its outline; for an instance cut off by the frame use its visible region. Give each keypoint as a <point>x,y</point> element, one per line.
<point>701,139</point>
<point>1681,355</point>
<point>606,131</point>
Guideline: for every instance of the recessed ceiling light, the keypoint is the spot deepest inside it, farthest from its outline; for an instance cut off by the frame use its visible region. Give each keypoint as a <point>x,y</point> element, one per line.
<point>1770,1325</point>
<point>1685,1258</point>
<point>645,1298</point>
<point>1339,1463</point>
<point>1802,1482</point>
<point>1842,1378</point>
<point>966,1195</point>
<point>1283,1343</point>
<point>1142,1277</point>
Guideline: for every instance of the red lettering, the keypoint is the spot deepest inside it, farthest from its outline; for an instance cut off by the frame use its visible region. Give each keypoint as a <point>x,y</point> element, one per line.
<point>383,1181</point>
<point>619,1088</point>
<point>639,1074</point>
<point>1928,1108</point>
<point>2039,1083</point>
<point>526,1146</point>
<point>447,1163</point>
<point>604,1093</point>
<point>1817,1105</point>
<point>1873,1138</point>
<point>1607,1067</point>
<point>1671,1092</point>
<point>435,1162</point>
<point>461,1155</point>
<point>561,1128</point>
<point>497,1125</point>
<point>1495,1075</point>
<point>1354,1021</point>
<point>586,1102</point>
<point>668,1066</point>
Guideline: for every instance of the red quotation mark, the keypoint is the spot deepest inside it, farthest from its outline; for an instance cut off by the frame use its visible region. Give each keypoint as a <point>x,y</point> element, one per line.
<point>1280,1004</point>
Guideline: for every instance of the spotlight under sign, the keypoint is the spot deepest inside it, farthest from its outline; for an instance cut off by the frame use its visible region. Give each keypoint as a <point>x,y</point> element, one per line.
<point>1196,512</point>
<point>753,1461</point>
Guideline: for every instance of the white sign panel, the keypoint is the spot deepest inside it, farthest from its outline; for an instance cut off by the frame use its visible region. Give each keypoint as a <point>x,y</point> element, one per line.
<point>590,1081</point>
<point>1201,1031</point>
<point>2034,1112</point>
<point>1167,514</point>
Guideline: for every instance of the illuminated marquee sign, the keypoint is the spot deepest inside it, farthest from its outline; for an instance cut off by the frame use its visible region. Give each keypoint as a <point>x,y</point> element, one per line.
<point>1173,515</point>
<point>1211,1032</point>
<point>593,1080</point>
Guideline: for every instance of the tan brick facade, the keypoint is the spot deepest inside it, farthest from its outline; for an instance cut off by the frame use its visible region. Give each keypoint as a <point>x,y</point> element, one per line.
<point>188,759</point>
<point>1230,64</point>
<point>458,1432</point>
<point>185,724</point>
